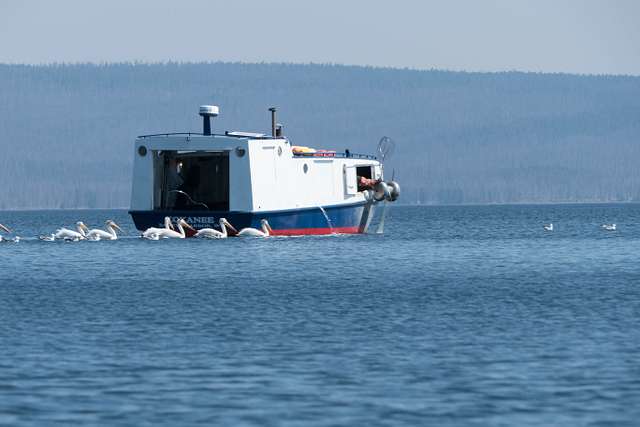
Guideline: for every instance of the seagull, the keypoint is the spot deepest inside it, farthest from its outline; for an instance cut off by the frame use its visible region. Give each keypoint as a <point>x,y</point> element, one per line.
<point>548,227</point>
<point>68,235</point>
<point>110,234</point>
<point>609,227</point>
<point>212,233</point>
<point>252,232</point>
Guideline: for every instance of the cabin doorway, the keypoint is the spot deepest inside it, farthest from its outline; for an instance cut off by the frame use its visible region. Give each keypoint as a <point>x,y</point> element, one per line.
<point>192,181</point>
<point>363,172</point>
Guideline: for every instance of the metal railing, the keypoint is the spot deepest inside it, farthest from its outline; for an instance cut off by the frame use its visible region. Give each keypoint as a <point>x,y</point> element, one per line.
<point>320,155</point>
<point>201,134</point>
<point>193,202</point>
<point>171,134</point>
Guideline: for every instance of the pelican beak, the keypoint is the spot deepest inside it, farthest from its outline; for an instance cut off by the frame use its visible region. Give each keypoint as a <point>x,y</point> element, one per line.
<point>116,226</point>
<point>186,224</point>
<point>84,227</point>
<point>228,224</point>
<point>5,229</point>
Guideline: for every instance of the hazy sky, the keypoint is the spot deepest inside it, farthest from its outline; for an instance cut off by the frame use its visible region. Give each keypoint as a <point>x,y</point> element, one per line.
<point>581,36</point>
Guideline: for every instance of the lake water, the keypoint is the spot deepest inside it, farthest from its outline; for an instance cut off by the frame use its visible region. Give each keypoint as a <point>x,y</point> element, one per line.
<point>455,316</point>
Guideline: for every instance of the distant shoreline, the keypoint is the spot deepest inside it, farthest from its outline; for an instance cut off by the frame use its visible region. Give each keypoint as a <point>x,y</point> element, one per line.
<point>462,137</point>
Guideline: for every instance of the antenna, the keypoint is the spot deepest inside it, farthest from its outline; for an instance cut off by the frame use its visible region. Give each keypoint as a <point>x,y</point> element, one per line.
<point>273,121</point>
<point>208,111</point>
<point>386,146</point>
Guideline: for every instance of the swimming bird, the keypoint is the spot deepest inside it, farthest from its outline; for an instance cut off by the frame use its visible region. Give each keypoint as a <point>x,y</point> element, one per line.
<point>609,227</point>
<point>165,233</point>
<point>7,230</point>
<point>212,233</point>
<point>548,227</point>
<point>152,232</point>
<point>68,235</point>
<point>252,232</point>
<point>110,234</point>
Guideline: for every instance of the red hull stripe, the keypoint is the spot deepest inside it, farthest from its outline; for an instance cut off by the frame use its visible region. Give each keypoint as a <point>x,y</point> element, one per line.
<point>308,231</point>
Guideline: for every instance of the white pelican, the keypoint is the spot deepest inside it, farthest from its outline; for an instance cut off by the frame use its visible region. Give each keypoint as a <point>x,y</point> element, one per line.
<point>6,230</point>
<point>609,227</point>
<point>66,234</point>
<point>110,234</point>
<point>252,232</point>
<point>212,233</point>
<point>152,233</point>
<point>548,227</point>
<point>165,233</point>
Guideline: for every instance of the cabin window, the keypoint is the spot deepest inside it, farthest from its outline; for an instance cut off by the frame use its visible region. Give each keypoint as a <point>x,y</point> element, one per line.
<point>363,172</point>
<point>195,181</point>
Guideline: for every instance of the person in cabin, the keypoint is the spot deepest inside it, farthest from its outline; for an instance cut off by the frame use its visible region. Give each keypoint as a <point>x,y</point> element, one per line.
<point>174,181</point>
<point>366,183</point>
<point>174,176</point>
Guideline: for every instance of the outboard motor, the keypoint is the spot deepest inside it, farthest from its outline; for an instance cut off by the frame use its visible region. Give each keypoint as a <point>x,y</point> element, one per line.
<point>389,191</point>
<point>394,189</point>
<point>381,192</point>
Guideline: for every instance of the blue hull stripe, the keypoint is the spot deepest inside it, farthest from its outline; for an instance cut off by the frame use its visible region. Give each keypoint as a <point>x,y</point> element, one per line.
<point>341,219</point>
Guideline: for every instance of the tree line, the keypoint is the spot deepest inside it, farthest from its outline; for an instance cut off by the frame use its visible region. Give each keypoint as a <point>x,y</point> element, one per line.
<point>67,131</point>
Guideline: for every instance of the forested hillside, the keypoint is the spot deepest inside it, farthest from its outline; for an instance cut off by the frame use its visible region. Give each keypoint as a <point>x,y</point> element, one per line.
<point>67,131</point>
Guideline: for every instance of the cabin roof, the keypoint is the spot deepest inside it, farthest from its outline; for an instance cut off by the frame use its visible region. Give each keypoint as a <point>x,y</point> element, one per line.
<point>258,136</point>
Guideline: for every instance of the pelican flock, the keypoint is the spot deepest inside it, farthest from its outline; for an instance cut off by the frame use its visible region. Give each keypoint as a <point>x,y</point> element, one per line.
<point>109,234</point>
<point>212,233</point>
<point>226,230</point>
<point>111,230</point>
<point>252,232</point>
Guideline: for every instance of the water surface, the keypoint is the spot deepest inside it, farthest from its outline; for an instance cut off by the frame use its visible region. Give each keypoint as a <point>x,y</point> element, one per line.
<point>455,316</point>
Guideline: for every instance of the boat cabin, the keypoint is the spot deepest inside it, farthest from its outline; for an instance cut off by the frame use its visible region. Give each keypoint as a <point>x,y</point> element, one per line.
<point>242,171</point>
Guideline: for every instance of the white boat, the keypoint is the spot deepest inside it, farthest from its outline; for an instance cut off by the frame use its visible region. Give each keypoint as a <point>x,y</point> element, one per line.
<point>247,177</point>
